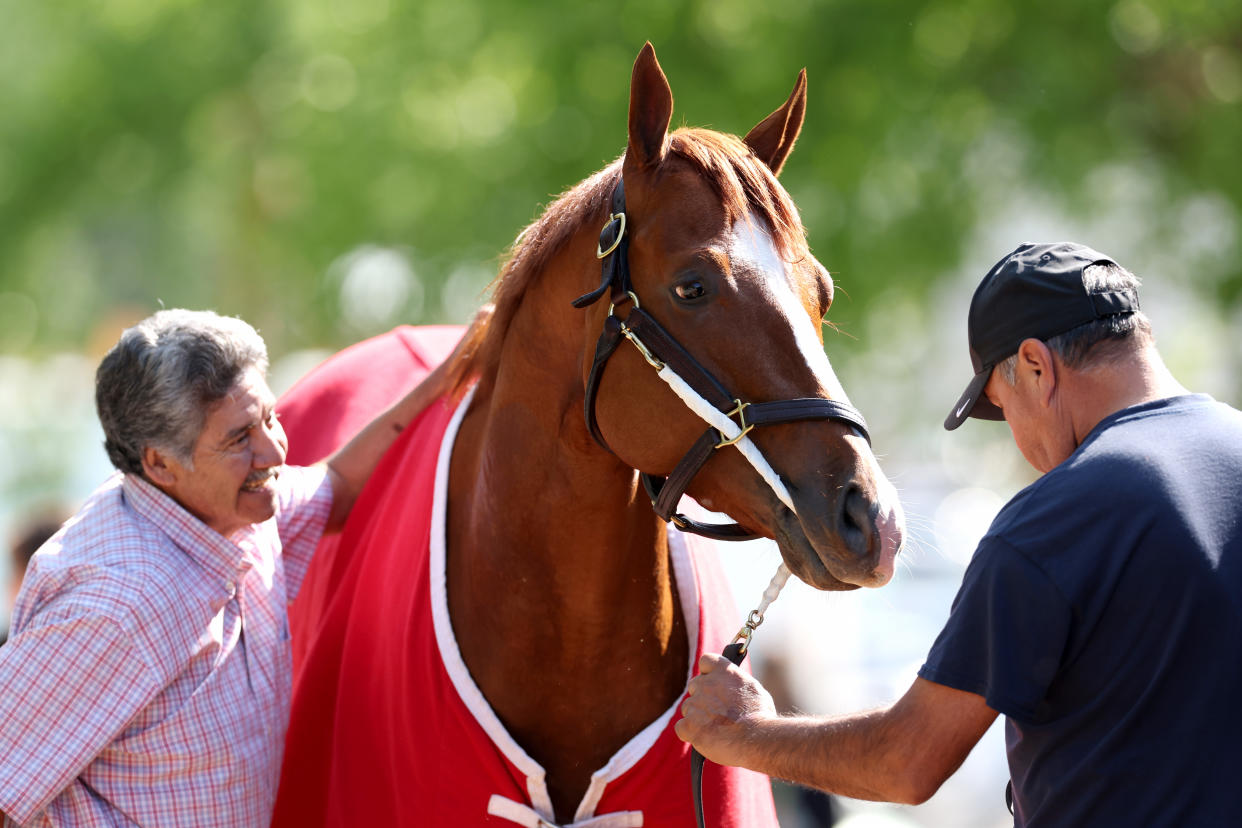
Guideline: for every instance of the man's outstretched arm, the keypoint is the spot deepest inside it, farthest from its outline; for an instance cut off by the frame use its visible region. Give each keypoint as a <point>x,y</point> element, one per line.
<point>351,466</point>
<point>902,753</point>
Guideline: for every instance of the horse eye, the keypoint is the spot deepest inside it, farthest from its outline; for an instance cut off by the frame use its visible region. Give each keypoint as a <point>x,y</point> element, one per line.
<point>689,290</point>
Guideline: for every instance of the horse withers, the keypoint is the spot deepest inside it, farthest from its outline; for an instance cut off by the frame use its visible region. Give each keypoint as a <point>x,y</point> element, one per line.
<point>504,629</point>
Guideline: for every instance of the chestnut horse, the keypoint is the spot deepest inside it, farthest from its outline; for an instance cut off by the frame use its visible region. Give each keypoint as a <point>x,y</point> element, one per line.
<point>564,599</point>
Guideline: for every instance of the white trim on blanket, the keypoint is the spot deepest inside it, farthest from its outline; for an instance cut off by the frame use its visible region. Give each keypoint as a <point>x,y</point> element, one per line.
<point>472,697</point>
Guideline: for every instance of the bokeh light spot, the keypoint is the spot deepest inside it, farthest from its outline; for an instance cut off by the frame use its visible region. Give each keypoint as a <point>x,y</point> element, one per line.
<point>962,519</point>
<point>359,15</point>
<point>1222,72</point>
<point>463,291</point>
<point>378,287</point>
<point>942,34</point>
<point>1135,27</point>
<point>485,109</point>
<point>329,82</point>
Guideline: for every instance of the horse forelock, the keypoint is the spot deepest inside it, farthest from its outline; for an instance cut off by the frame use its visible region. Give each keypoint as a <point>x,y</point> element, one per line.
<point>743,183</point>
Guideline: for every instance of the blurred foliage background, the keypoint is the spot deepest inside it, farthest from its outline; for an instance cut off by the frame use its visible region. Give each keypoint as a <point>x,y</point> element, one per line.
<point>327,170</point>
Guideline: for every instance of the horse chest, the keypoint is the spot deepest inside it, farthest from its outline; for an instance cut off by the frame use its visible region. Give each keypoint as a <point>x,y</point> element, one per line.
<point>567,697</point>
<point>573,700</point>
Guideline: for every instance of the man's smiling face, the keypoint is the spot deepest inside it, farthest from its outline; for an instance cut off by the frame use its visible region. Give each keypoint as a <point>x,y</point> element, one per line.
<point>236,460</point>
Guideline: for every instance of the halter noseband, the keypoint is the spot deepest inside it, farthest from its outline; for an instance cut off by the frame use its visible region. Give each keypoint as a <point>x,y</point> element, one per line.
<point>730,418</point>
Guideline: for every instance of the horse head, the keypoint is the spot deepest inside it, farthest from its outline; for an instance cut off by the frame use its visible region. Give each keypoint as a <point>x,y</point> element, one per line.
<point>717,254</point>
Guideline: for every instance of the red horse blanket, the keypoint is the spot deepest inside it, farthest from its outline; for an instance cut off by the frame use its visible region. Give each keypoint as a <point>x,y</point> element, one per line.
<point>388,727</point>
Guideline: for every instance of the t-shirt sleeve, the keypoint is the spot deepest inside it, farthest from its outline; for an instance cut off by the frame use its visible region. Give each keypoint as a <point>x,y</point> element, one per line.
<point>68,687</point>
<point>1006,633</point>
<point>305,504</point>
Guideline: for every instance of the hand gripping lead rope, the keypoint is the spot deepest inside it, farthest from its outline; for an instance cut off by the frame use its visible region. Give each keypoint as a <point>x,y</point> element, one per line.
<point>735,651</point>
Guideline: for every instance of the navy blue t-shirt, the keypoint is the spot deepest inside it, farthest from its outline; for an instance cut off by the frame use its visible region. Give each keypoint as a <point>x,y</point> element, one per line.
<point>1102,615</point>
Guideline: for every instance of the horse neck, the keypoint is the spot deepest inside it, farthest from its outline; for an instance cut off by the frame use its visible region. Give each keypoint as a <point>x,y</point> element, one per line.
<point>560,587</point>
<point>546,523</point>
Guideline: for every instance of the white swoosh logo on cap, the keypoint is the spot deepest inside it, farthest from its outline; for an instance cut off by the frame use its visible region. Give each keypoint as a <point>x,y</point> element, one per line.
<point>960,410</point>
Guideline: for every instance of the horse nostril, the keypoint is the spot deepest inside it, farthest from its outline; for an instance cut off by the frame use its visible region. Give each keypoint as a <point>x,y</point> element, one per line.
<point>855,521</point>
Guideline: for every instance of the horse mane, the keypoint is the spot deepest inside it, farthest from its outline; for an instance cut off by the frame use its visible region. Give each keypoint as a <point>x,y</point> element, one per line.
<point>744,184</point>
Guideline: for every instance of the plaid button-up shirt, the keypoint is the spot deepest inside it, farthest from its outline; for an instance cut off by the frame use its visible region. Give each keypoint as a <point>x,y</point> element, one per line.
<point>148,677</point>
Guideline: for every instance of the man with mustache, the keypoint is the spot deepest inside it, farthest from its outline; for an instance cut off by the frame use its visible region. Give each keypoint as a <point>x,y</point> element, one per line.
<point>1102,611</point>
<point>147,679</point>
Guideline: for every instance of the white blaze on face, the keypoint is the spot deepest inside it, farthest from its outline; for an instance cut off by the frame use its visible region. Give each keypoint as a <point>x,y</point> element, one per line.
<point>751,247</point>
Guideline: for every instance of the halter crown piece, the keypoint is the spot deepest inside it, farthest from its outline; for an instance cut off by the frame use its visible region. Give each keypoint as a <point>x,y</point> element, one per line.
<point>730,419</point>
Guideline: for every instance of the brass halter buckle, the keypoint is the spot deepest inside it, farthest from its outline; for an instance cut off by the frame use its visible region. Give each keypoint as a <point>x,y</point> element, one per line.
<point>651,358</point>
<point>739,411</point>
<point>629,295</point>
<point>629,334</point>
<point>599,253</point>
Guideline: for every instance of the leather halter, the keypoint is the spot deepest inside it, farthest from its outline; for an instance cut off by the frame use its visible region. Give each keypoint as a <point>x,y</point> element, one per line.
<point>660,349</point>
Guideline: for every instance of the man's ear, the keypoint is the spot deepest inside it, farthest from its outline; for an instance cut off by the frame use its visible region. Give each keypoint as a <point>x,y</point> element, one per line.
<point>158,468</point>
<point>1036,361</point>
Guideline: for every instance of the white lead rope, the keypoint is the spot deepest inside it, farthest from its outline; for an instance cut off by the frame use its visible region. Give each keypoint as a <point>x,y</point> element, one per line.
<point>733,432</point>
<point>718,420</point>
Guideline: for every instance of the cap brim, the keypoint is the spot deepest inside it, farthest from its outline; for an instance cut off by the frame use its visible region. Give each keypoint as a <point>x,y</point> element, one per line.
<point>973,403</point>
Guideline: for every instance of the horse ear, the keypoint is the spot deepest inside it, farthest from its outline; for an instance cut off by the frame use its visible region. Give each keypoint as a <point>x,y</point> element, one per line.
<point>773,138</point>
<point>651,109</point>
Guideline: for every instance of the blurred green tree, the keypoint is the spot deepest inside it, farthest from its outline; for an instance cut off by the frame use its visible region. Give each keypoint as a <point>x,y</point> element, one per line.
<point>327,170</point>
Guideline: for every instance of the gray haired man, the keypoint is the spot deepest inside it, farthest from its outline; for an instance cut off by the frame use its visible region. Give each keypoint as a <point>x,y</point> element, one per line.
<point>148,676</point>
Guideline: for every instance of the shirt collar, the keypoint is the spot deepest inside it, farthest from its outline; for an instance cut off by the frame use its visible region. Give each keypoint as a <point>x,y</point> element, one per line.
<point>200,542</point>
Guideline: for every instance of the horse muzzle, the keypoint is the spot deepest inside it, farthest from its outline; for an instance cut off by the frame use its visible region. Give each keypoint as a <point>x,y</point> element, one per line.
<point>845,538</point>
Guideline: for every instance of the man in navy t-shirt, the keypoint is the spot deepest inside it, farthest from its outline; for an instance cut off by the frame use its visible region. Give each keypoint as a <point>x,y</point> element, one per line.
<point>1102,611</point>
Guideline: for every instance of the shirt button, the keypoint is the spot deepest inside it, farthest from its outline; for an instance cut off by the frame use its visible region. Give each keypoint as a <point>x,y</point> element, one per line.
<point>230,588</point>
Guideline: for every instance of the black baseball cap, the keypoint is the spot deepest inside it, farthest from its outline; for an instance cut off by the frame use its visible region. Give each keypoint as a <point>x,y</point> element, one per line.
<point>1036,292</point>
